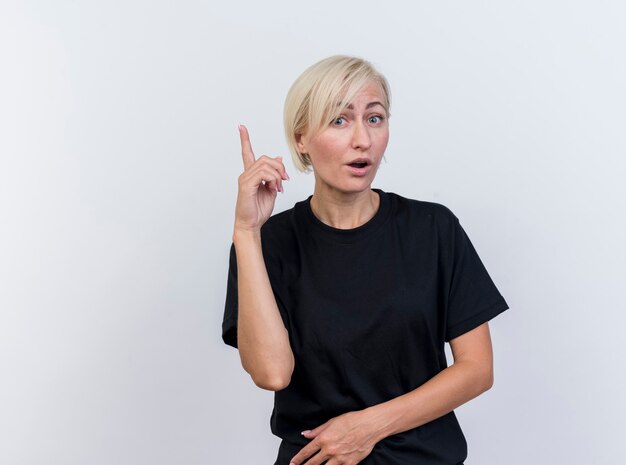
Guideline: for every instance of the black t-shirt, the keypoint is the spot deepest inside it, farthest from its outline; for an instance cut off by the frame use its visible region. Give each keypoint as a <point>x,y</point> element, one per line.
<point>368,311</point>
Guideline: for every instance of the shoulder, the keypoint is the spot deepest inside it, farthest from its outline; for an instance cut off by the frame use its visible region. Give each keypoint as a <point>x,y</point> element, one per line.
<point>278,233</point>
<point>279,223</point>
<point>414,209</point>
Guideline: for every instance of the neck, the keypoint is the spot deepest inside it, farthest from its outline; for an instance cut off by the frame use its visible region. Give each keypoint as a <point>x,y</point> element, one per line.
<point>342,210</point>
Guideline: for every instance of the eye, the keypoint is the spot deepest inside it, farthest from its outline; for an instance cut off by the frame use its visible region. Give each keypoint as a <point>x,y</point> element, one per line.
<point>339,121</point>
<point>375,119</point>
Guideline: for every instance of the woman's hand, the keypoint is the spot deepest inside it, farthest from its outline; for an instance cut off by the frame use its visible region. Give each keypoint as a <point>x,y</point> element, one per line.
<point>343,440</point>
<point>258,186</point>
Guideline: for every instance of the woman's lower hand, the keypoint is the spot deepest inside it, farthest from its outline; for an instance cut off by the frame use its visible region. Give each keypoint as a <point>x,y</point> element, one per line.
<point>259,184</point>
<point>343,440</point>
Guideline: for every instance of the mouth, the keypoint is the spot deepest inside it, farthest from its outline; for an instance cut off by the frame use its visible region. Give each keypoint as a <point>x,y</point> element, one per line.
<point>359,163</point>
<point>359,167</point>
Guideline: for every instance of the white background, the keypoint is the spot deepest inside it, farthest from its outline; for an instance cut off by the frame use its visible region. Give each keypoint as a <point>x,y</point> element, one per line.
<point>119,160</point>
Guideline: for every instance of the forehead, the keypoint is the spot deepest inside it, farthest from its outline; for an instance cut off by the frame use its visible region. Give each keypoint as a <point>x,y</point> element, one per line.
<point>368,96</point>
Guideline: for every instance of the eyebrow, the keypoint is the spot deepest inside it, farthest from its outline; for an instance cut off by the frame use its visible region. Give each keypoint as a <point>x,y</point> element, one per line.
<point>368,106</point>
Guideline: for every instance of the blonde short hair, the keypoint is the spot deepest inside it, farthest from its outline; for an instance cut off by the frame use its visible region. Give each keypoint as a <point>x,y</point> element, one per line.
<point>321,93</point>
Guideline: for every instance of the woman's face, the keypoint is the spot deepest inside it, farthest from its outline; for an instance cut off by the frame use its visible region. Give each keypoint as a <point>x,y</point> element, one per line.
<point>346,154</point>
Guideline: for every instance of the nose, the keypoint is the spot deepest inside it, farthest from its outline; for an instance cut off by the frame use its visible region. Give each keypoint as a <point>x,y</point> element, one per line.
<point>361,137</point>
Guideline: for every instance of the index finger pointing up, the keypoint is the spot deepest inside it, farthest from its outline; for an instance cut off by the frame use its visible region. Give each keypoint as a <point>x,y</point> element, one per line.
<point>246,148</point>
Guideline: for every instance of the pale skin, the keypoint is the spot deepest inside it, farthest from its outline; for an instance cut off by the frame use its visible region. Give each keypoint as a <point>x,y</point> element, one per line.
<point>341,200</point>
<point>263,340</point>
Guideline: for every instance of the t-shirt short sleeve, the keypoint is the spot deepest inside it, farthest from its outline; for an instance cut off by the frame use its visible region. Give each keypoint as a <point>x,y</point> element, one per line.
<point>473,298</point>
<point>229,323</point>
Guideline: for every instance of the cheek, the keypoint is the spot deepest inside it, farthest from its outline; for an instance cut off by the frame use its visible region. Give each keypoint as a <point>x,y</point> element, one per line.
<point>383,140</point>
<point>332,149</point>
<point>325,155</point>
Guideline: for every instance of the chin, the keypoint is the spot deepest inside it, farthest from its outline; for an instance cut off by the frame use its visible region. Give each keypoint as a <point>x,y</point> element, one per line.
<point>357,185</point>
<point>347,185</point>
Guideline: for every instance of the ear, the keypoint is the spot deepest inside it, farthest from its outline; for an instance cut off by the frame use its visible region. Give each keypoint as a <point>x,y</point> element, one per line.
<point>300,142</point>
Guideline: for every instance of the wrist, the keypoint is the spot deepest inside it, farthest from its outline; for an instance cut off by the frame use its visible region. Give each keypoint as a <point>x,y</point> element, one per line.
<point>377,418</point>
<point>246,235</point>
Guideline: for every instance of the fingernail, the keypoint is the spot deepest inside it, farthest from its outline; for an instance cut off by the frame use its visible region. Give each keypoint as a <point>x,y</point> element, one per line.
<point>287,175</point>
<point>304,432</point>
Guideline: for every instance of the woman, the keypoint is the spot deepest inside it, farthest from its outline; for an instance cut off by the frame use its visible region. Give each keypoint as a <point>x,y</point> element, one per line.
<point>343,303</point>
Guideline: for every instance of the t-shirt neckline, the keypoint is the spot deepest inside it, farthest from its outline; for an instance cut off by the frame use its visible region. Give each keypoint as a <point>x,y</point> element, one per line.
<point>352,234</point>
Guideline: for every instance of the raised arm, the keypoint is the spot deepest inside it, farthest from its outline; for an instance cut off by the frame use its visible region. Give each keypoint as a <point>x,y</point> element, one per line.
<point>262,338</point>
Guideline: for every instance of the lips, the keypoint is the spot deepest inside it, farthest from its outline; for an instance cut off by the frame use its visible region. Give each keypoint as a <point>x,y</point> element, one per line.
<point>359,167</point>
<point>360,163</point>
